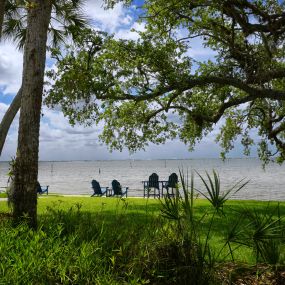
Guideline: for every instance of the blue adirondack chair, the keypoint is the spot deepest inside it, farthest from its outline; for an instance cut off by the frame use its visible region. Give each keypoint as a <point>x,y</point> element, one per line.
<point>171,185</point>
<point>98,189</point>
<point>151,187</point>
<point>117,189</point>
<point>42,189</point>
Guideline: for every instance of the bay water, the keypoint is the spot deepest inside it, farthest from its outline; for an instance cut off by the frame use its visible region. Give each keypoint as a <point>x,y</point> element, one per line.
<point>74,177</point>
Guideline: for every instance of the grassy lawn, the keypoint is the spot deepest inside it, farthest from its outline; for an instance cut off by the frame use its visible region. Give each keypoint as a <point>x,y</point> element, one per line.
<point>3,195</point>
<point>83,240</point>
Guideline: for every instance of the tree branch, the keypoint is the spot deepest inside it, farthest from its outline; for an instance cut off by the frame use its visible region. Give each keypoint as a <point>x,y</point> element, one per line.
<point>8,118</point>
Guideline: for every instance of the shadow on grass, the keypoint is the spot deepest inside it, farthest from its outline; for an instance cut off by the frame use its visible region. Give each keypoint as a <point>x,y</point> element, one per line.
<point>104,241</point>
<point>124,215</point>
<point>111,226</point>
<point>237,211</point>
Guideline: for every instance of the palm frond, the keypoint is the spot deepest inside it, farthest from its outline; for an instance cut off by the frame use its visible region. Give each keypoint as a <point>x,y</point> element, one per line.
<point>57,36</point>
<point>14,29</point>
<point>14,24</point>
<point>170,208</point>
<point>69,18</point>
<point>213,190</point>
<point>20,38</point>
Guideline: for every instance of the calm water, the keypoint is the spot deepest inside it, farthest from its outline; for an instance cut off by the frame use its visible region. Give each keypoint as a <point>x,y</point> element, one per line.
<point>74,177</point>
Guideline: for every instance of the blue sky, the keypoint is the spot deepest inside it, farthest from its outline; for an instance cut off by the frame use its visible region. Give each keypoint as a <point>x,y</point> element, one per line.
<point>60,141</point>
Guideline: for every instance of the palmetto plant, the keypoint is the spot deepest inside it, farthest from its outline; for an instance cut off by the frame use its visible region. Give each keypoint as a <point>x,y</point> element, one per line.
<point>194,252</point>
<point>265,235</point>
<point>263,232</point>
<point>213,190</point>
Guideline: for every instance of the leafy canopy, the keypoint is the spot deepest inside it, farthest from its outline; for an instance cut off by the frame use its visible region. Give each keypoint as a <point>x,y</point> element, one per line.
<point>152,89</point>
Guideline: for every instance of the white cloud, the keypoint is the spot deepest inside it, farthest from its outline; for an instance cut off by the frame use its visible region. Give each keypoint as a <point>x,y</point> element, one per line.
<point>59,138</point>
<point>10,145</point>
<point>3,109</point>
<point>119,20</point>
<point>196,50</point>
<point>201,53</point>
<point>131,33</point>
<point>107,19</point>
<point>60,141</point>
<point>11,64</point>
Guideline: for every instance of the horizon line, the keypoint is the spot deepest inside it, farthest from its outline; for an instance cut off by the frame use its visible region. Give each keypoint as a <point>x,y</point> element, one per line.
<point>147,159</point>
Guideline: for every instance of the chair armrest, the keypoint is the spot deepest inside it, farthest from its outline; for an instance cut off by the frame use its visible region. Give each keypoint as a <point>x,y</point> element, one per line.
<point>43,189</point>
<point>145,183</point>
<point>108,191</point>
<point>126,191</point>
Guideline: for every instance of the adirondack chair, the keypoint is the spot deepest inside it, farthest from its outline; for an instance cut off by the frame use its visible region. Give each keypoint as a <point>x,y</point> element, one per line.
<point>117,189</point>
<point>98,189</point>
<point>42,189</point>
<point>151,187</point>
<point>171,185</point>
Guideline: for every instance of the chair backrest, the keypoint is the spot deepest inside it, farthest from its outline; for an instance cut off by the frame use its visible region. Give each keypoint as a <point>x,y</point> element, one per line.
<point>117,188</point>
<point>39,188</point>
<point>153,181</point>
<point>96,187</point>
<point>172,180</point>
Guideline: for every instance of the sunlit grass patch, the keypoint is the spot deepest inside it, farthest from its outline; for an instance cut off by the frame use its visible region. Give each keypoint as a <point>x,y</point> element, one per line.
<point>84,240</point>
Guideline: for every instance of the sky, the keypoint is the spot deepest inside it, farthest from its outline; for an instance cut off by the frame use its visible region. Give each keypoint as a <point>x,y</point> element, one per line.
<point>60,141</point>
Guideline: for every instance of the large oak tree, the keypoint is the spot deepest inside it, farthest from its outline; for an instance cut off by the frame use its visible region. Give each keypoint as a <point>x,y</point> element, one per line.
<point>152,89</point>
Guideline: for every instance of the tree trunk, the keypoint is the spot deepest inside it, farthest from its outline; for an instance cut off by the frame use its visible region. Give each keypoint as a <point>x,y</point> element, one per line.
<point>2,12</point>
<point>26,166</point>
<point>8,118</point>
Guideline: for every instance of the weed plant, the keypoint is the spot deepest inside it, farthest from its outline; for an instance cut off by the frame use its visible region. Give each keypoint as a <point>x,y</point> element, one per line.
<point>76,247</point>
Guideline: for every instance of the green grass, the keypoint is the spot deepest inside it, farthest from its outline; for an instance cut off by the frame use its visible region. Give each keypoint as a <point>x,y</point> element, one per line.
<point>3,195</point>
<point>83,240</point>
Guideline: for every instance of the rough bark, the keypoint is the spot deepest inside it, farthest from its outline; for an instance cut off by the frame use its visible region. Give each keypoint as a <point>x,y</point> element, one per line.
<point>8,118</point>
<point>2,11</point>
<point>26,166</point>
